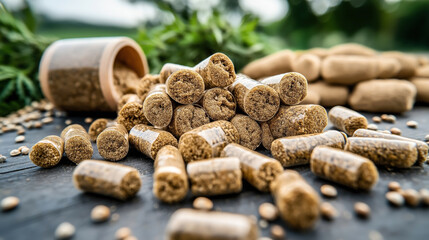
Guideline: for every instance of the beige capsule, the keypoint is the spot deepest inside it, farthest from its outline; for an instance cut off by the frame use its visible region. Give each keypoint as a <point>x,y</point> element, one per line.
<point>77,144</point>
<point>344,168</point>
<point>267,136</point>
<point>258,169</point>
<point>158,107</point>
<point>185,86</point>
<point>146,83</point>
<point>351,49</point>
<point>308,65</point>
<point>98,126</point>
<point>187,117</point>
<point>422,147</point>
<point>297,201</point>
<point>296,150</point>
<point>312,97</point>
<point>249,130</point>
<point>422,86</point>
<point>106,178</point>
<point>216,70</point>
<point>47,152</point>
<point>276,63</point>
<point>215,176</point>
<point>168,69</point>
<point>205,225</point>
<point>207,141</point>
<point>112,143</point>
<point>330,95</point>
<point>384,152</point>
<point>347,120</point>
<point>291,87</point>
<point>260,101</point>
<point>149,140</point>
<point>388,67</point>
<point>409,63</point>
<point>131,114</point>
<point>170,181</point>
<point>219,104</point>
<point>130,97</point>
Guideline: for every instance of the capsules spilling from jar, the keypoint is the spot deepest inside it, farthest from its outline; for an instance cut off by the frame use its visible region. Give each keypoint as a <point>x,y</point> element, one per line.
<point>77,145</point>
<point>112,143</point>
<point>258,169</point>
<point>296,150</point>
<point>47,152</point>
<point>291,87</point>
<point>344,168</point>
<point>106,178</point>
<point>347,120</point>
<point>205,225</point>
<point>216,176</point>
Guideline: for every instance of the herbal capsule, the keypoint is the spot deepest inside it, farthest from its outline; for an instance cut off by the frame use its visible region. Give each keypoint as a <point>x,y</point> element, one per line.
<point>47,152</point>
<point>329,95</point>
<point>106,178</point>
<point>77,145</point>
<point>131,97</point>
<point>187,117</point>
<point>267,137</point>
<point>291,87</point>
<point>170,181</point>
<point>298,120</point>
<point>297,201</point>
<point>352,49</point>
<point>131,114</point>
<point>216,70</point>
<point>308,65</point>
<point>185,86</point>
<point>347,120</point>
<point>249,130</point>
<point>219,104</point>
<point>150,140</point>
<point>146,84</point>
<point>215,176</point>
<point>168,69</point>
<point>296,150</point>
<point>344,168</point>
<point>260,101</point>
<point>205,225</point>
<point>112,143</point>
<point>276,63</point>
<point>258,169</point>
<point>207,141</point>
<point>422,86</point>
<point>422,147</point>
<point>158,107</point>
<point>384,152</point>
<point>98,126</point>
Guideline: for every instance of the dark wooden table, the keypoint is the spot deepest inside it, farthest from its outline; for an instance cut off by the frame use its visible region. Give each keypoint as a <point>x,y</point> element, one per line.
<point>48,197</point>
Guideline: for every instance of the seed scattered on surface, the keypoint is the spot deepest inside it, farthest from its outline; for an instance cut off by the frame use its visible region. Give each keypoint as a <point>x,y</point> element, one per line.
<point>395,198</point>
<point>388,118</point>
<point>122,233</point>
<point>427,138</point>
<point>268,211</point>
<point>412,124</point>
<point>376,119</point>
<point>411,196</point>
<point>2,158</point>
<point>395,131</point>
<point>20,139</point>
<point>277,232</point>
<point>372,126</point>
<point>47,120</point>
<point>394,186</point>
<point>424,194</point>
<point>24,150</point>
<point>328,211</point>
<point>15,152</point>
<point>263,223</point>
<point>9,203</point>
<point>328,191</point>
<point>100,213</point>
<point>20,131</point>
<point>64,231</point>
<point>362,209</point>
<point>68,122</point>
<point>88,120</point>
<point>38,124</point>
<point>203,203</point>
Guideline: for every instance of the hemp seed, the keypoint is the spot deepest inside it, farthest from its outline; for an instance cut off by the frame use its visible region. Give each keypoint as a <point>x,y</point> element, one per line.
<point>268,211</point>
<point>65,231</point>
<point>328,211</point>
<point>394,186</point>
<point>20,139</point>
<point>362,209</point>
<point>203,203</point>
<point>396,131</point>
<point>9,203</point>
<point>277,232</point>
<point>395,198</point>
<point>328,191</point>
<point>100,213</point>
<point>122,233</point>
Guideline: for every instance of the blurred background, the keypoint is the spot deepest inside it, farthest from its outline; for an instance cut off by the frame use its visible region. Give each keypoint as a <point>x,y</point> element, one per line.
<point>187,31</point>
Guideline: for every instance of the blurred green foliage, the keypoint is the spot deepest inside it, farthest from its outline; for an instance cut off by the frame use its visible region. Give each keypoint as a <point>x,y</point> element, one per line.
<point>20,52</point>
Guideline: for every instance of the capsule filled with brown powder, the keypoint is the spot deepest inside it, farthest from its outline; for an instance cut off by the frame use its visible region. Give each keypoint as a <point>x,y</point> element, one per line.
<point>276,63</point>
<point>329,95</point>
<point>106,178</point>
<point>47,152</point>
<point>260,101</point>
<point>296,150</point>
<point>146,84</point>
<point>215,176</point>
<point>347,120</point>
<point>249,130</point>
<point>308,65</point>
<point>158,107</point>
<point>258,169</point>
<point>267,136</point>
<point>132,114</point>
<point>219,104</point>
<point>98,126</point>
<point>170,181</point>
<point>297,201</point>
<point>149,140</point>
<point>344,168</point>
<point>77,145</point>
<point>168,69</point>
<point>208,140</point>
<point>291,87</point>
<point>187,117</point>
<point>185,86</point>
<point>216,70</point>
<point>112,143</point>
<point>131,97</point>
<point>384,152</point>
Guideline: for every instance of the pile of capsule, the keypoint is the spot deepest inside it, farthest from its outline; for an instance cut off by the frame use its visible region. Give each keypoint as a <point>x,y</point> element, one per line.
<point>186,120</point>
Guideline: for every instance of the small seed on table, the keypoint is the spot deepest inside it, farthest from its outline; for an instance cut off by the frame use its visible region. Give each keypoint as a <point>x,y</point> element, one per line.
<point>394,186</point>
<point>395,131</point>
<point>395,198</point>
<point>38,124</point>
<point>2,159</point>
<point>88,120</point>
<point>20,131</point>
<point>376,119</point>
<point>268,211</point>
<point>372,126</point>
<point>328,191</point>
<point>328,211</point>
<point>64,231</point>
<point>277,232</point>
<point>47,120</point>
<point>424,193</point>
<point>388,118</point>
<point>427,138</point>
<point>24,150</point>
<point>20,139</point>
<point>9,203</point>
<point>15,152</point>
<point>203,203</point>
<point>263,223</point>
<point>412,124</point>
<point>122,233</point>
<point>412,197</point>
<point>100,213</point>
<point>68,122</point>
<point>362,209</point>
